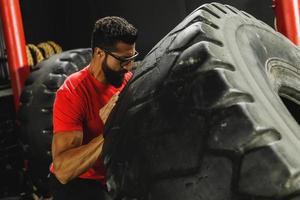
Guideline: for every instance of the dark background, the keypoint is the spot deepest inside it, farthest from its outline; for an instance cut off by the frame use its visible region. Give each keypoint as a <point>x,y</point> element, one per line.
<point>70,22</point>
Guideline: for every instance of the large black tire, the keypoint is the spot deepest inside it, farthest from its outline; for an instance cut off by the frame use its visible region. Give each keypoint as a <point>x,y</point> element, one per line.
<point>35,112</point>
<point>202,117</point>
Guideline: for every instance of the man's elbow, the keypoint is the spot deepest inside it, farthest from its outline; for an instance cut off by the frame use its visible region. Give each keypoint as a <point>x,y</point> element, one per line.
<point>60,175</point>
<point>62,179</point>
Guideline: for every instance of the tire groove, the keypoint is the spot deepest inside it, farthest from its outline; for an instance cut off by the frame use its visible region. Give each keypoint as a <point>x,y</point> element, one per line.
<point>230,8</point>
<point>261,139</point>
<point>211,12</point>
<point>234,97</point>
<point>218,7</point>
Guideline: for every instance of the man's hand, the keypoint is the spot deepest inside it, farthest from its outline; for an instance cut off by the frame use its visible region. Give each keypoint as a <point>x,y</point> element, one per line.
<point>105,110</point>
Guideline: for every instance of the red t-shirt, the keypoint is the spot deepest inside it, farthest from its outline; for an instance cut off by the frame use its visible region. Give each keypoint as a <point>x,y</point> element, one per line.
<point>76,108</point>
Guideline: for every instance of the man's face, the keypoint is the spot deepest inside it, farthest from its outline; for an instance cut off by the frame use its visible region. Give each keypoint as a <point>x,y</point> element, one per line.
<point>115,65</point>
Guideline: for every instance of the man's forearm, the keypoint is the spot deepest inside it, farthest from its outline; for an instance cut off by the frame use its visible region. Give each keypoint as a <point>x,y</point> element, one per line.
<point>72,163</point>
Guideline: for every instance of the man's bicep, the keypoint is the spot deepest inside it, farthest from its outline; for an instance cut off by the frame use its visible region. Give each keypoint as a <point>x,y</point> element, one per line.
<point>67,113</point>
<point>63,141</point>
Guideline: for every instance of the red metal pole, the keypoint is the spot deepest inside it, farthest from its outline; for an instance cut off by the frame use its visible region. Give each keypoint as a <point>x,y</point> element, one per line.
<point>15,44</point>
<point>288,18</point>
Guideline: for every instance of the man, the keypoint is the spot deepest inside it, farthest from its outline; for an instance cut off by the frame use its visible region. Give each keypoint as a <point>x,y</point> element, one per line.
<point>81,108</point>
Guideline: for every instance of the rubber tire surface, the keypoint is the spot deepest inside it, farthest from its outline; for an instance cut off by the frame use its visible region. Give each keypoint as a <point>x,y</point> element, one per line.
<point>202,117</point>
<point>35,113</point>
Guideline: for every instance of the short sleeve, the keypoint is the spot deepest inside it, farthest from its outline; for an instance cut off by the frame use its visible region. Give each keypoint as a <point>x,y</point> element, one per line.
<point>67,112</point>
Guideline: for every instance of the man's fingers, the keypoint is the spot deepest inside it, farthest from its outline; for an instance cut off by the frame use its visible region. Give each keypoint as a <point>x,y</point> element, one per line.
<point>105,110</point>
<point>112,102</point>
<point>111,106</point>
<point>115,97</point>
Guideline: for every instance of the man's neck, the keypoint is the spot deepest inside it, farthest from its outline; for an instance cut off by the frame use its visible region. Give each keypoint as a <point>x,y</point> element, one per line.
<point>96,71</point>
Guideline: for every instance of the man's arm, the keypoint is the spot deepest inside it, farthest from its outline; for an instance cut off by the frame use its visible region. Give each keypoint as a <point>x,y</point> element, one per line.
<point>70,157</point>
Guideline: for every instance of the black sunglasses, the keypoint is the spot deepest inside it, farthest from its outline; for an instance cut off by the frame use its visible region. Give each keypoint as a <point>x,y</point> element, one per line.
<point>123,60</point>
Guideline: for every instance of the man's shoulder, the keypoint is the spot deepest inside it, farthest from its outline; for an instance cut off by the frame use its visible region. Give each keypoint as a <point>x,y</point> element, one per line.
<point>74,81</point>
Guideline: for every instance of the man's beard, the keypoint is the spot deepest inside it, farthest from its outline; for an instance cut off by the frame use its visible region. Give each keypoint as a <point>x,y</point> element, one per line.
<point>114,78</point>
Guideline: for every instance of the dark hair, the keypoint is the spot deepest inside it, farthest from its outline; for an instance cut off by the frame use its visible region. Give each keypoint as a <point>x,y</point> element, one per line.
<point>110,30</point>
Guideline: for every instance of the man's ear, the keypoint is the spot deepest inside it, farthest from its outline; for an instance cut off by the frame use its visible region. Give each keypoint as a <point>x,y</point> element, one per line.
<point>98,52</point>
